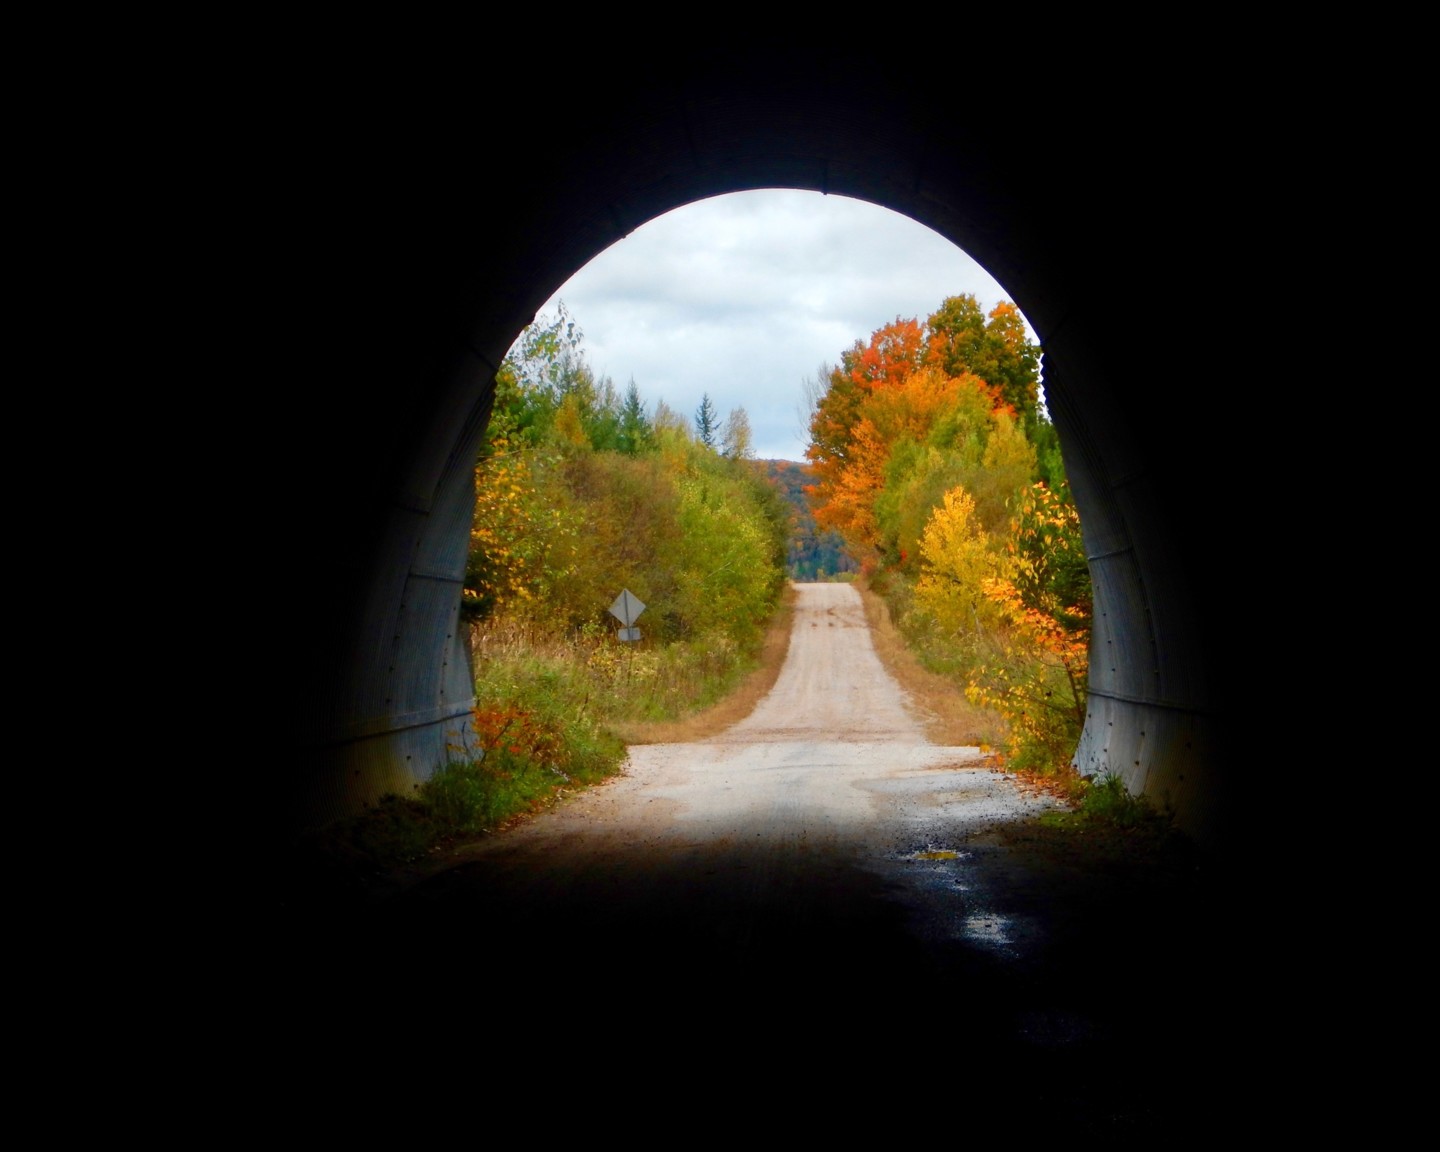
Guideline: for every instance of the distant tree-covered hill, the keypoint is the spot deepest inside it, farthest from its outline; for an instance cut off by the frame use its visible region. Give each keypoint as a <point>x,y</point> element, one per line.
<point>812,555</point>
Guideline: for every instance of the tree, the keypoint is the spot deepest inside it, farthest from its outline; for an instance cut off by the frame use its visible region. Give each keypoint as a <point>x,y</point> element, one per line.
<point>570,422</point>
<point>737,441</point>
<point>995,348</point>
<point>849,504</point>
<point>893,354</point>
<point>812,392</point>
<point>947,383</point>
<point>904,411</point>
<point>636,434</point>
<point>1039,679</point>
<point>706,422</point>
<point>958,565</point>
<point>521,537</point>
<point>545,365</point>
<point>548,352</point>
<point>813,554</point>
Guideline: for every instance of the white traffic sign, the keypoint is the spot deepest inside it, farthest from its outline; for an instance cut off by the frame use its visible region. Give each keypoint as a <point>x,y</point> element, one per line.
<point>627,608</point>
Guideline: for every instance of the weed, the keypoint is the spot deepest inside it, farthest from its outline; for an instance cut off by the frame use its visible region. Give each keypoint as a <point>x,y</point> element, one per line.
<point>1107,799</point>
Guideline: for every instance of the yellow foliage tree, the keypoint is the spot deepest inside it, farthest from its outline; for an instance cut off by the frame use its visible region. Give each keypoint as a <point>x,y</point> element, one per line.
<point>520,541</point>
<point>957,563</point>
<point>1039,679</point>
<point>570,423</point>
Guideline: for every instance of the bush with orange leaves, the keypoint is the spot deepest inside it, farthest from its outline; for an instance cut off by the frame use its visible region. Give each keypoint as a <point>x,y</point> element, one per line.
<point>1036,676</point>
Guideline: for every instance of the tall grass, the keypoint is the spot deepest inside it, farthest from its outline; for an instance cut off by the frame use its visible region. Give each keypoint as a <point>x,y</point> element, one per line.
<point>551,706</point>
<point>610,681</point>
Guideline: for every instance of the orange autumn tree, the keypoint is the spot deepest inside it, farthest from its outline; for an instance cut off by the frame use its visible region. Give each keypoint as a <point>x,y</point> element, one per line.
<point>935,461</point>
<point>854,425</point>
<point>905,411</point>
<point>842,455</point>
<point>895,390</point>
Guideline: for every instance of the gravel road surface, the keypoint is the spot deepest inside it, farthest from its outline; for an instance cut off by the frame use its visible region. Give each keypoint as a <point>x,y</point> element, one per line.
<point>819,889</point>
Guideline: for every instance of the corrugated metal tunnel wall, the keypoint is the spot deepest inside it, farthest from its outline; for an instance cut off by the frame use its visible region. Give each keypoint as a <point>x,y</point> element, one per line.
<point>428,248</point>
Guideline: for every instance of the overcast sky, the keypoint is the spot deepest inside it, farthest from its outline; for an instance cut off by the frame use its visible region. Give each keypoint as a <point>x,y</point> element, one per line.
<point>745,296</point>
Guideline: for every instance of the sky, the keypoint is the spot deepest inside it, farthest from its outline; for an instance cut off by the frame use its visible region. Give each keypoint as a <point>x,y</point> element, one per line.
<point>744,297</point>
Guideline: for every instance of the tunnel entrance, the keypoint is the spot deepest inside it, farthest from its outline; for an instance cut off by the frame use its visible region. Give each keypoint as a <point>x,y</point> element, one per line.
<point>413,314</point>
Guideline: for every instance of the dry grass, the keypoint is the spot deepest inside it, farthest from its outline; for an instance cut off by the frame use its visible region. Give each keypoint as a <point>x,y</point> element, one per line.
<point>738,704</point>
<point>950,719</point>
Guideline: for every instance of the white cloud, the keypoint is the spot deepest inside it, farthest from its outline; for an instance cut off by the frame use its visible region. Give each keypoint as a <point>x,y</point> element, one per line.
<point>744,296</point>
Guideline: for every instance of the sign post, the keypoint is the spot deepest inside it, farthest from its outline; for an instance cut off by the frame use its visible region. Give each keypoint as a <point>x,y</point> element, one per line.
<point>627,609</point>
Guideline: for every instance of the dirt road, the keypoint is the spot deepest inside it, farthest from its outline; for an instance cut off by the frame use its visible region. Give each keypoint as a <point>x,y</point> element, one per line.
<point>832,763</point>
<point>819,884</point>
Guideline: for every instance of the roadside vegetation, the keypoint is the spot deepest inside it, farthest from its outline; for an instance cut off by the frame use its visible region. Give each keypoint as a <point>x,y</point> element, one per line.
<point>584,493</point>
<point>935,462</point>
<point>935,483</point>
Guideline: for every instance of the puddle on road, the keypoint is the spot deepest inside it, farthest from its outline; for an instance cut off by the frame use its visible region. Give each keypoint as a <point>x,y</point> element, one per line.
<point>984,928</point>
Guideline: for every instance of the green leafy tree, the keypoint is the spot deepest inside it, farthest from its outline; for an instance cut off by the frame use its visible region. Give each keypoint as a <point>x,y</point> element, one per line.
<point>962,338</point>
<point>730,568</point>
<point>580,494</point>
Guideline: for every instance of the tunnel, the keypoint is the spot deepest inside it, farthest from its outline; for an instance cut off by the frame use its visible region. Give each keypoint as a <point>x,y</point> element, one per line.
<point>424,233</point>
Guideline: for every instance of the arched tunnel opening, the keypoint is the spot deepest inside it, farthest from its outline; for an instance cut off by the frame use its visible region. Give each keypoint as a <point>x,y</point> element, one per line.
<point>416,316</point>
<point>420,258</point>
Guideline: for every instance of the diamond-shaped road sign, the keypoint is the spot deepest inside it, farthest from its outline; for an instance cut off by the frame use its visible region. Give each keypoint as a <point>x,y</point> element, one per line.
<point>627,609</point>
